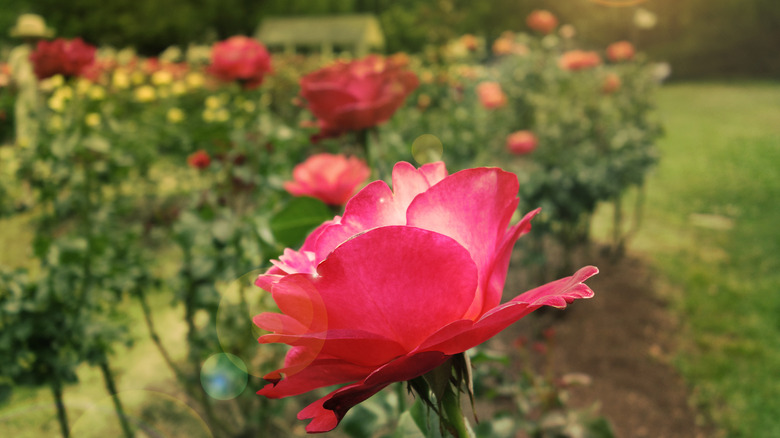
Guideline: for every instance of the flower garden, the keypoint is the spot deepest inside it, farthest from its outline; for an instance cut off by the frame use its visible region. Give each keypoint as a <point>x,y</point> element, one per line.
<point>228,241</point>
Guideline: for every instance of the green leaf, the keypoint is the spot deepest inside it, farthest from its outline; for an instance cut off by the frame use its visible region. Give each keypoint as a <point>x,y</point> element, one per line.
<point>291,225</point>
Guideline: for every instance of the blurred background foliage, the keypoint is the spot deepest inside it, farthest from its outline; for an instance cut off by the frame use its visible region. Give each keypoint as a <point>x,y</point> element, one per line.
<point>699,38</point>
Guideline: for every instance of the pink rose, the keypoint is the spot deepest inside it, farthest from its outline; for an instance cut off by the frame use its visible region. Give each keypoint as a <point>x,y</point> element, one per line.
<point>620,51</point>
<point>332,179</point>
<point>403,281</point>
<point>491,95</point>
<point>65,57</point>
<point>521,142</point>
<point>241,59</point>
<point>579,60</point>
<point>350,96</point>
<point>542,21</point>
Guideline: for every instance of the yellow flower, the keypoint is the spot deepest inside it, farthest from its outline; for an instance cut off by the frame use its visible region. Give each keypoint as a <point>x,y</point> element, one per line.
<point>195,80</point>
<point>221,115</point>
<point>66,92</point>
<point>120,80</point>
<point>213,102</point>
<point>175,115</point>
<point>57,103</point>
<point>208,115</point>
<point>59,98</point>
<point>145,93</point>
<point>51,83</point>
<point>178,88</point>
<point>249,106</point>
<point>82,86</point>
<point>162,77</point>
<point>92,119</point>
<point>97,92</point>
<point>171,54</point>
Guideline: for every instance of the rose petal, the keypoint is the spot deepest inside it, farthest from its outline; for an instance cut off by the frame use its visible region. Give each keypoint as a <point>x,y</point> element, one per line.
<point>400,282</point>
<point>462,335</point>
<point>474,207</point>
<point>372,207</point>
<point>327,412</point>
<point>316,374</point>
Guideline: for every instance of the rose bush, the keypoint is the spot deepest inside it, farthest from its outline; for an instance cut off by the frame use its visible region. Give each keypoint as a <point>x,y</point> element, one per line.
<point>404,281</point>
<point>350,96</point>
<point>332,179</point>
<point>65,57</point>
<point>241,59</point>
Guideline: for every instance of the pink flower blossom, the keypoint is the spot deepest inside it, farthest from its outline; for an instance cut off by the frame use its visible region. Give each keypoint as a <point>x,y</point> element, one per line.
<point>620,51</point>
<point>521,142</point>
<point>406,279</point>
<point>542,21</point>
<point>579,60</point>
<point>350,96</point>
<point>491,95</point>
<point>332,179</point>
<point>241,59</point>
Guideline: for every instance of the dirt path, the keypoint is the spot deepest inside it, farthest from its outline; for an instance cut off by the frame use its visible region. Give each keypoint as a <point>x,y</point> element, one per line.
<point>623,339</point>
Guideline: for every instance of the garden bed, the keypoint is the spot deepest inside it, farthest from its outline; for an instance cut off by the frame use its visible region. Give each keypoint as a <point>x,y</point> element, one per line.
<point>624,339</point>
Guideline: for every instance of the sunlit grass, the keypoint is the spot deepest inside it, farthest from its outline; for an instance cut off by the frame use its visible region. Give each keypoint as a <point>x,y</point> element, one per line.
<point>712,228</point>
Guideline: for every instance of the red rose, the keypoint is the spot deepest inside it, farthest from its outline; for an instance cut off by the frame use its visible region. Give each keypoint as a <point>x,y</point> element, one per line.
<point>542,21</point>
<point>199,159</point>
<point>620,51</point>
<point>332,179</point>
<point>406,279</point>
<point>241,59</point>
<point>521,142</point>
<point>66,57</point>
<point>579,60</point>
<point>490,95</point>
<point>350,96</point>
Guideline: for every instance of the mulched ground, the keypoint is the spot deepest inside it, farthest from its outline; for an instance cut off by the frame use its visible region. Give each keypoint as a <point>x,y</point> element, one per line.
<point>623,338</point>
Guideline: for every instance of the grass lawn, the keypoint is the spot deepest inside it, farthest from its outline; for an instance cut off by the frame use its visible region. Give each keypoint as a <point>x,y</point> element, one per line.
<point>712,229</point>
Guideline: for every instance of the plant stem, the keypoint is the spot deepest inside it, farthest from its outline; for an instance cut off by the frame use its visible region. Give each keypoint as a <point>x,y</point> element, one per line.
<point>108,377</point>
<point>62,415</point>
<point>155,338</point>
<point>455,419</point>
<point>361,137</point>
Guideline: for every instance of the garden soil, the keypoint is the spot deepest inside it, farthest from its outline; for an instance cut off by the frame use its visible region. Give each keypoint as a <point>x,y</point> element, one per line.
<point>624,340</point>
